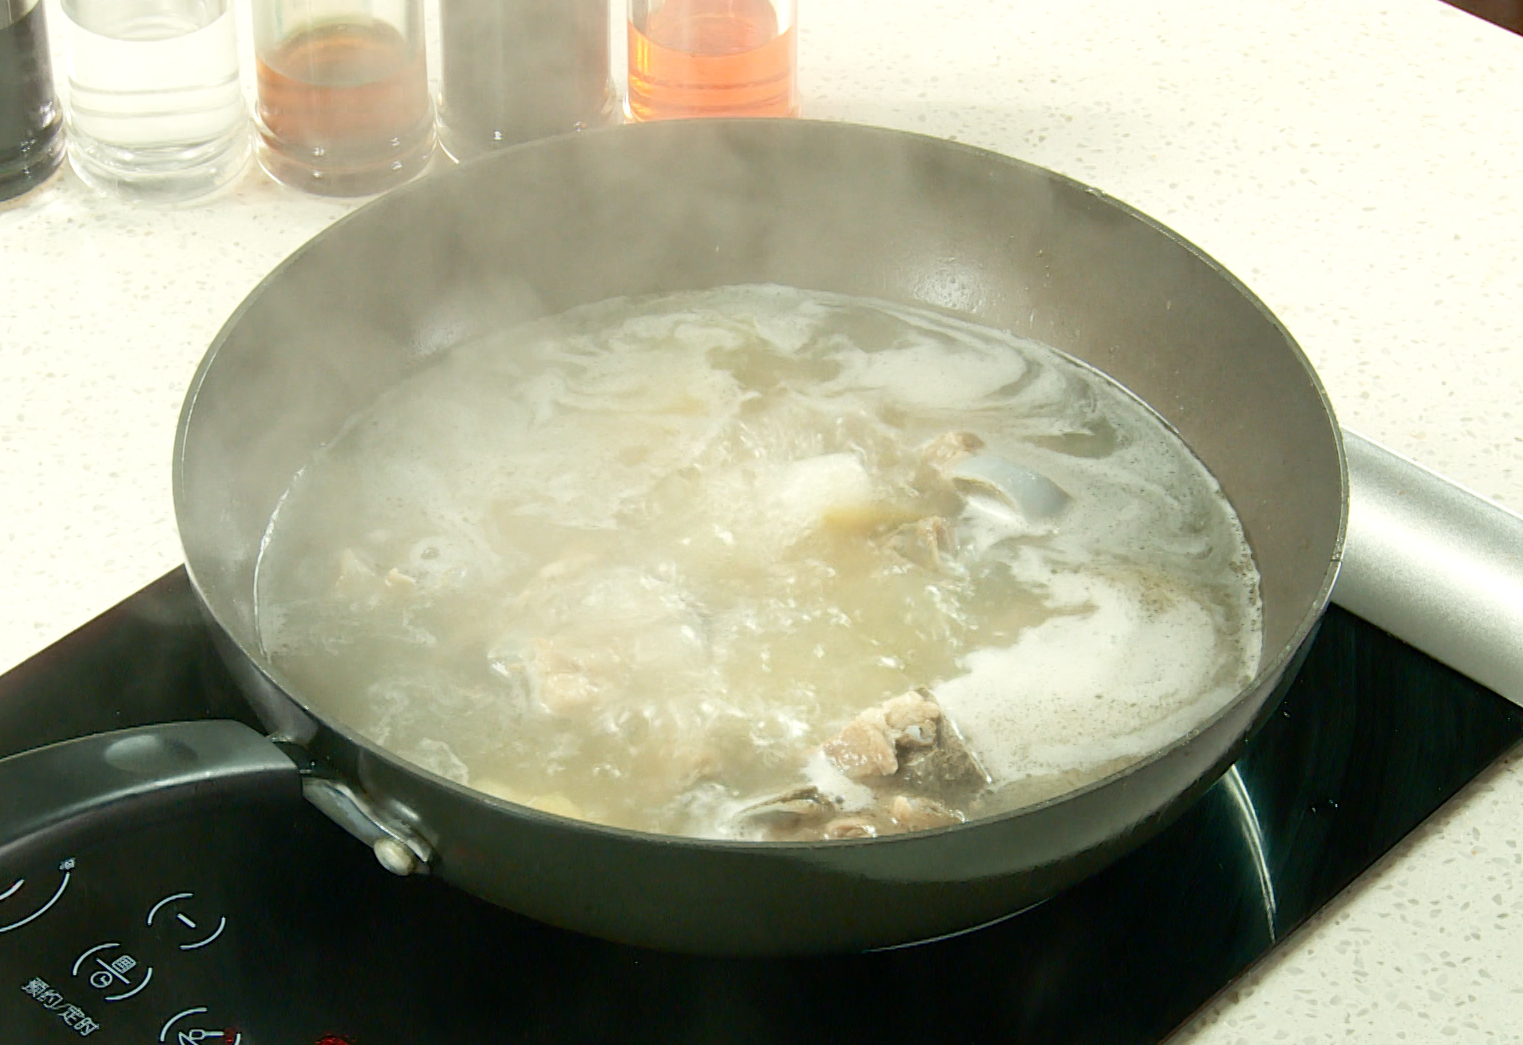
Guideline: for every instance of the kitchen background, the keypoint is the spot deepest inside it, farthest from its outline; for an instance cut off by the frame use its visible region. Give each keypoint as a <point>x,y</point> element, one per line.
<point>1353,162</point>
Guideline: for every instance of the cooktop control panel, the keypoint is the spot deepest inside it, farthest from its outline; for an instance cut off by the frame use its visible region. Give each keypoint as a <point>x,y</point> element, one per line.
<point>263,923</point>
<point>131,940</point>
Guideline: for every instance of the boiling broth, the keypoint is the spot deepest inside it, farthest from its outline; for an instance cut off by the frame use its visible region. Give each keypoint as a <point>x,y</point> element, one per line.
<point>656,562</point>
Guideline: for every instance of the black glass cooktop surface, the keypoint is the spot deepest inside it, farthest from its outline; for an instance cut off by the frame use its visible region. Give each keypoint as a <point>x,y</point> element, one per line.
<point>315,943</point>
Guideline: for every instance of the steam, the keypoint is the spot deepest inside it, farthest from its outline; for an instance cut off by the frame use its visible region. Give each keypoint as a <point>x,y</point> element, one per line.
<point>637,210</point>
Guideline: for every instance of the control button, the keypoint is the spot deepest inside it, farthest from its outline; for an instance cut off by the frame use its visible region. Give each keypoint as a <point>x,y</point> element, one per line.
<point>189,1028</point>
<point>176,909</point>
<point>115,971</point>
<point>15,896</point>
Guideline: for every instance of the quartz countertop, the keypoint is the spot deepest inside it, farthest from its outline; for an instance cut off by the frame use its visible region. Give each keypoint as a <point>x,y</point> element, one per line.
<point>1354,162</point>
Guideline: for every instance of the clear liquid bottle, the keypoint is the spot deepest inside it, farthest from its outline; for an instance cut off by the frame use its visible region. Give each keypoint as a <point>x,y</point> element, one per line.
<point>343,106</point>
<point>692,58</point>
<point>514,70</point>
<point>155,105</point>
<point>31,138</point>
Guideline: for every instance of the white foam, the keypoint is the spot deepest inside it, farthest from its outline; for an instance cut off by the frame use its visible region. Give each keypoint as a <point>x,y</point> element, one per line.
<point>846,794</point>
<point>1084,687</point>
<point>927,374</point>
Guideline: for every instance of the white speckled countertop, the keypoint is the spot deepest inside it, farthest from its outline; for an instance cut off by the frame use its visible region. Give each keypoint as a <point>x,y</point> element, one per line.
<point>1355,162</point>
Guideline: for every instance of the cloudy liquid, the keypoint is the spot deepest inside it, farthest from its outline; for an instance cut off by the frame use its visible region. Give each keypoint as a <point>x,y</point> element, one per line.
<point>638,562</point>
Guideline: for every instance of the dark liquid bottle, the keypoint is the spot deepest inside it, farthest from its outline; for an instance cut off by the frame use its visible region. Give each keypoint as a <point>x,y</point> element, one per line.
<point>31,138</point>
<point>515,70</point>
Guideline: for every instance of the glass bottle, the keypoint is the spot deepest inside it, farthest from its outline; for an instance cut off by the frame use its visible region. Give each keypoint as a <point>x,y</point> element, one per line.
<point>342,103</point>
<point>155,105</point>
<point>31,139</point>
<point>712,58</point>
<point>514,70</point>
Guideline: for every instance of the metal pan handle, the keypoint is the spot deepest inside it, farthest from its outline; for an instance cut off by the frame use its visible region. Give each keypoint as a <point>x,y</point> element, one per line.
<point>1437,566</point>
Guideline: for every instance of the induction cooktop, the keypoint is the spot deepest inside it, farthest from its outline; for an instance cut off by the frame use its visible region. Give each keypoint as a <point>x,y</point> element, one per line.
<point>261,922</point>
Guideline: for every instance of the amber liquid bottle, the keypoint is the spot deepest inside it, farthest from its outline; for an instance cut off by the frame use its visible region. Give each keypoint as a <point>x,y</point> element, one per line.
<point>342,104</point>
<point>691,58</point>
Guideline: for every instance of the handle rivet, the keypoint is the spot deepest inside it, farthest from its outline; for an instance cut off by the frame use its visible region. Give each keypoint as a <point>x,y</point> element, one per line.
<point>395,857</point>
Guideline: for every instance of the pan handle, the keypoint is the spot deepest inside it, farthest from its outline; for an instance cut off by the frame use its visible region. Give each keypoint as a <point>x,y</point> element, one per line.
<point>76,787</point>
<point>398,848</point>
<point>55,794</point>
<point>1435,565</point>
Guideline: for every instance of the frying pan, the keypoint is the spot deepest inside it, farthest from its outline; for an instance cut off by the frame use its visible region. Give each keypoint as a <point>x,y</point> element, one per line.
<point>543,227</point>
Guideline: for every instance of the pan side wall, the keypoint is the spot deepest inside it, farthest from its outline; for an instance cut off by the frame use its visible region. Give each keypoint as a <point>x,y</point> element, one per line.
<point>536,230</point>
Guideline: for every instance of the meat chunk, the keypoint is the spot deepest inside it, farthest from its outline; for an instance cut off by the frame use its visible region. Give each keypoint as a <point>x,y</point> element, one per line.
<point>918,814</point>
<point>911,719</point>
<point>872,744</point>
<point>929,543</point>
<point>947,449</point>
<point>551,579</point>
<point>862,749</point>
<point>907,760</point>
<point>565,680</point>
<point>947,769</point>
<point>850,827</point>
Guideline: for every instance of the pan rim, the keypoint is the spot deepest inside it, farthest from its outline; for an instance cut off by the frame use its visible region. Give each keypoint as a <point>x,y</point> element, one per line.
<point>1270,670</point>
